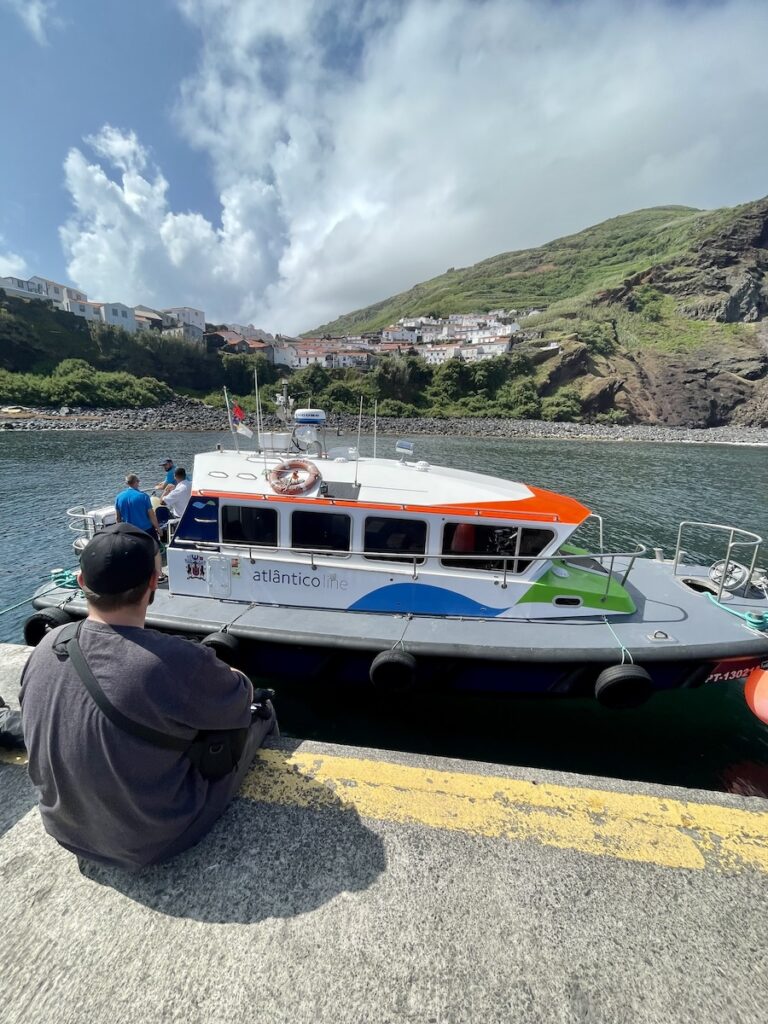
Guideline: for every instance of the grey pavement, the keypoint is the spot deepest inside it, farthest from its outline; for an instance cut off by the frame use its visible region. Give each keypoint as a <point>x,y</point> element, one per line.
<point>285,913</point>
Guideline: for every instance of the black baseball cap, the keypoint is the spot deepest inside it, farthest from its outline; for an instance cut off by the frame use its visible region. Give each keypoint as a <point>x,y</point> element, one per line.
<point>118,558</point>
<point>166,460</point>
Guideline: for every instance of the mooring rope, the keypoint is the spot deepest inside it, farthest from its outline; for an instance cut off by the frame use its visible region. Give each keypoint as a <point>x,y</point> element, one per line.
<point>625,652</point>
<point>757,620</point>
<point>61,579</point>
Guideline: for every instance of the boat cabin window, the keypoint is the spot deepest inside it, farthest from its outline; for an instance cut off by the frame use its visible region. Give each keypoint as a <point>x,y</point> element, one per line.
<point>511,542</point>
<point>321,531</point>
<point>246,524</point>
<point>199,524</point>
<point>394,539</point>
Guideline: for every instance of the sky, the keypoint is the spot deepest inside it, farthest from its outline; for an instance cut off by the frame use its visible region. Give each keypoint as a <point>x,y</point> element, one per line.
<point>285,163</point>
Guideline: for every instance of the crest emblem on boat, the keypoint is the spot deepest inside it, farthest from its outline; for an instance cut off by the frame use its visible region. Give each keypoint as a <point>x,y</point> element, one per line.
<point>195,566</point>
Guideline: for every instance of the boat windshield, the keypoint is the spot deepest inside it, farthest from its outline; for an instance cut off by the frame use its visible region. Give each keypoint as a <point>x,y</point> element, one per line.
<point>510,542</point>
<point>200,522</point>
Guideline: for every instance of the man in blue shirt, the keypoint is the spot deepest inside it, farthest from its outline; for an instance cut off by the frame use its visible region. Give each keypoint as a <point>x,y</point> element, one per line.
<point>167,485</point>
<point>135,507</point>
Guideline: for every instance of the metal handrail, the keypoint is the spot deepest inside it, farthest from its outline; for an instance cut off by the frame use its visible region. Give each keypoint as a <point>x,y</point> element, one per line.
<point>84,523</point>
<point>599,518</point>
<point>418,559</point>
<point>80,521</point>
<point>754,542</point>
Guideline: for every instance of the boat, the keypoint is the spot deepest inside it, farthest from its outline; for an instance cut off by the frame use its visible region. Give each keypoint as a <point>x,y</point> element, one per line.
<point>330,565</point>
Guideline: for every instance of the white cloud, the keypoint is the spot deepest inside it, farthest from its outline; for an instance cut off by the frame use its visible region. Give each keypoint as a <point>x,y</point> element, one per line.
<point>11,264</point>
<point>359,146</point>
<point>35,14</point>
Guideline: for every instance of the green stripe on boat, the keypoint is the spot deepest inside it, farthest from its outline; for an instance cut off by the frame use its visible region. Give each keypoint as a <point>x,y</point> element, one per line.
<point>588,585</point>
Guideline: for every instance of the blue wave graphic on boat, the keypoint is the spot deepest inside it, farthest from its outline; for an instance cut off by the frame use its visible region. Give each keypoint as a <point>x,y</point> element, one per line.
<point>422,599</point>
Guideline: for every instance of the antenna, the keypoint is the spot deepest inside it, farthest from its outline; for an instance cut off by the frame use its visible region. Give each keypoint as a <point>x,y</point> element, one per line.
<point>375,424</point>
<point>359,429</point>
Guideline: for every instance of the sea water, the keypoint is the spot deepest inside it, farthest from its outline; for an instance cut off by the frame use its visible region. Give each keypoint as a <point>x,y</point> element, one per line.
<point>696,738</point>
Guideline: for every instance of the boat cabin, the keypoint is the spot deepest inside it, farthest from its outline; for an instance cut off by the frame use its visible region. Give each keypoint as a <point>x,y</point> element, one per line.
<point>341,531</point>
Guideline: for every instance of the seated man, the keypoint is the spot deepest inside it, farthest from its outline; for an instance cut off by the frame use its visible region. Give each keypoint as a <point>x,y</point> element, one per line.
<point>178,499</point>
<point>105,794</point>
<point>167,484</point>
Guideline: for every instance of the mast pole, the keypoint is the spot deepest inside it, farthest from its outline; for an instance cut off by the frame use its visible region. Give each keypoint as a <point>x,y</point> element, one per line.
<point>229,417</point>
<point>359,430</point>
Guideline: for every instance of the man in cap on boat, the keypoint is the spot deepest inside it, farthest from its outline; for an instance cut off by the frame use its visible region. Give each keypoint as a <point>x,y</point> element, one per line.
<point>108,790</point>
<point>167,484</point>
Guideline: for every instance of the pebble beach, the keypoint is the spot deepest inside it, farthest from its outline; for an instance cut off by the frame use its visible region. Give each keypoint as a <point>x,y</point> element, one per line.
<point>189,414</point>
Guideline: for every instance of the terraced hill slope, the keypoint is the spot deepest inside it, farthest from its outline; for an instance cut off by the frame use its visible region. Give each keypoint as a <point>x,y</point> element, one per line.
<point>660,314</point>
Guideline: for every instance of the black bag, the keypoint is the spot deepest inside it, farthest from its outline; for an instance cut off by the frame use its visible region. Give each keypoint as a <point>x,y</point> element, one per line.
<point>213,753</point>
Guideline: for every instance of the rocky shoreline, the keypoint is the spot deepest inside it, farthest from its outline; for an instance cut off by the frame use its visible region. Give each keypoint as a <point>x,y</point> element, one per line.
<point>194,416</point>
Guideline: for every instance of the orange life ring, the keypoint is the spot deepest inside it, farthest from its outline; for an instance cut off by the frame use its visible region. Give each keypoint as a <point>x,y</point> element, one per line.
<point>285,479</point>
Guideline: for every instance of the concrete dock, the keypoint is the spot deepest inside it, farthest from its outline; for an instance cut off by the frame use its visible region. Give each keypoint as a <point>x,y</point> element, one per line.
<point>352,885</point>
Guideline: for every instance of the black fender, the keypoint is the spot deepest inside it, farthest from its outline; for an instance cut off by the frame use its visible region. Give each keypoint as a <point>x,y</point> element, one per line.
<point>42,622</point>
<point>394,671</point>
<point>226,646</point>
<point>623,686</point>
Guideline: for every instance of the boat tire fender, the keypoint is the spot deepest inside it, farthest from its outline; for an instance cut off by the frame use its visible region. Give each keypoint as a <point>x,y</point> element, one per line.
<point>42,622</point>
<point>623,686</point>
<point>394,671</point>
<point>225,646</point>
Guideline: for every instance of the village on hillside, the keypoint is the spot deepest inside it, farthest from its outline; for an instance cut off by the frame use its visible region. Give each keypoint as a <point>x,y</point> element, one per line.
<point>472,337</point>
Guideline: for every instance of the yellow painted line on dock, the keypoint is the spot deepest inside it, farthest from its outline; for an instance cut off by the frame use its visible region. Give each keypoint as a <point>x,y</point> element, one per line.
<point>645,829</point>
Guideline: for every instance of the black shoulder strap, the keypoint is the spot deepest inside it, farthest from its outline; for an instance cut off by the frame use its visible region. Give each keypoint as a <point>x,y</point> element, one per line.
<point>68,638</point>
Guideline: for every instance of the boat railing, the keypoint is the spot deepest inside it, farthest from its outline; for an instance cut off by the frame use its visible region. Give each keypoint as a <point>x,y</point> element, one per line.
<point>602,557</point>
<point>751,541</point>
<point>83,522</point>
<point>417,560</point>
<point>599,520</point>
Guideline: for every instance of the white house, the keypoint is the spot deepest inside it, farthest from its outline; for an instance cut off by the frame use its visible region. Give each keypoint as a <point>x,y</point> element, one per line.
<point>312,357</point>
<point>437,354</point>
<point>147,318</point>
<point>477,353</point>
<point>351,357</point>
<point>187,315</point>
<point>184,332</point>
<point>19,287</point>
<point>117,314</point>
<point>61,295</point>
<point>397,333</point>
<point>286,355</point>
<point>90,310</point>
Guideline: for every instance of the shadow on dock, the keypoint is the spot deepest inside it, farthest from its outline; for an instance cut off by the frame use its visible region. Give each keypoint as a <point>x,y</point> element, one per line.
<point>260,861</point>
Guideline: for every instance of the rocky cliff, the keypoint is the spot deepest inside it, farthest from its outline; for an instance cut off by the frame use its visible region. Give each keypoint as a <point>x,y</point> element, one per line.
<point>705,387</point>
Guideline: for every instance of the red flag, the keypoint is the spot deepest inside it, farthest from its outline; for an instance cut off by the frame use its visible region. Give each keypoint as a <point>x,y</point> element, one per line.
<point>237,414</point>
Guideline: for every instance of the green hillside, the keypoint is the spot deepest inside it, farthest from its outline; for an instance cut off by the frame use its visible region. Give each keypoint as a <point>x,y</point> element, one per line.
<point>573,268</point>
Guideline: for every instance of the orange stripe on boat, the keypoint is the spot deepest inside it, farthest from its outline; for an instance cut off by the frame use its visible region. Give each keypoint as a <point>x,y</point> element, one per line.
<point>543,503</point>
<point>543,506</point>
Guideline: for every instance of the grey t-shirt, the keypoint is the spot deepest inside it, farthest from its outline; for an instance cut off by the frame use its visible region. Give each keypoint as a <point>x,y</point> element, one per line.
<point>105,794</point>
